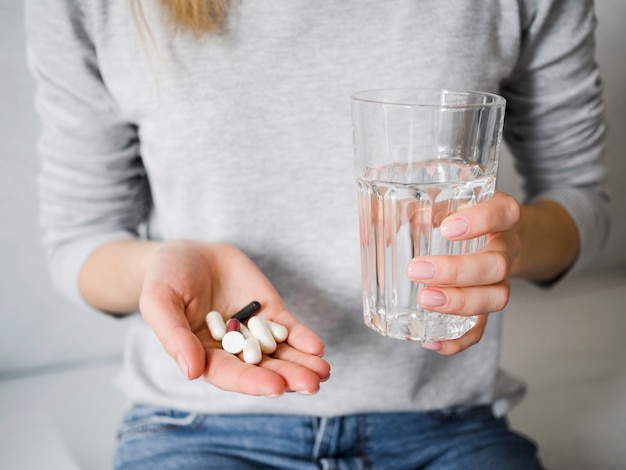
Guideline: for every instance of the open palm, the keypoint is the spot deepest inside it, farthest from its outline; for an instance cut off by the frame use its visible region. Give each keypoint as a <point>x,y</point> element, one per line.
<point>185,280</point>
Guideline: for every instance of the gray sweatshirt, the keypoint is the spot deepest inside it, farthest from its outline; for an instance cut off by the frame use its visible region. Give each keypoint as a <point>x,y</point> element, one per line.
<point>245,137</point>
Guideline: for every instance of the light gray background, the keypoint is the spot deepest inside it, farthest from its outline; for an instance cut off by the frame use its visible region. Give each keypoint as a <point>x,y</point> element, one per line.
<point>49,348</point>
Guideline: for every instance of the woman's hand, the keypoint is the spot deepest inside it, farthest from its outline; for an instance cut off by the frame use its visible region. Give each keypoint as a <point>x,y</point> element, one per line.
<point>472,284</point>
<point>175,284</point>
<point>186,280</point>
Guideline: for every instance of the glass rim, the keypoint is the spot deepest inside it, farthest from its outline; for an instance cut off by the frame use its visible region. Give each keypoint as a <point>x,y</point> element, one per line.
<point>377,96</point>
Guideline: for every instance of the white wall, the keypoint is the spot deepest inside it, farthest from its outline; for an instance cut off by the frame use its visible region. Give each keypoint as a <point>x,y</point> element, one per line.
<point>39,328</point>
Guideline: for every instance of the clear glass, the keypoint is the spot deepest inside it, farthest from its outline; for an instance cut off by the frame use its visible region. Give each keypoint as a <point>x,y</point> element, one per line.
<point>419,156</point>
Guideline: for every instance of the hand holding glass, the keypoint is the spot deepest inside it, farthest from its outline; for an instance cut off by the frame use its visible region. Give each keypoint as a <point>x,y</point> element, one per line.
<point>420,155</point>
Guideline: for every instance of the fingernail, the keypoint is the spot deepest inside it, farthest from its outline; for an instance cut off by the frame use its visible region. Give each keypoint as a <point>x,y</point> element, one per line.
<point>433,298</point>
<point>421,270</point>
<point>433,346</point>
<point>182,364</point>
<point>274,395</point>
<point>306,392</point>
<point>454,228</point>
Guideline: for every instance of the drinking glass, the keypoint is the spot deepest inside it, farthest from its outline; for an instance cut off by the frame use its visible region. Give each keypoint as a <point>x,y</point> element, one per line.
<point>420,155</point>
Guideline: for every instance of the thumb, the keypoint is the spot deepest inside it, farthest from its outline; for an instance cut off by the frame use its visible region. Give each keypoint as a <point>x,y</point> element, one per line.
<point>185,348</point>
<point>164,312</point>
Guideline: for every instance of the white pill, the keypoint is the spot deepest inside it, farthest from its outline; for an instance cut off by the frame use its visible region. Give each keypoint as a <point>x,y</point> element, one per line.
<point>243,329</point>
<point>279,332</point>
<point>232,342</point>
<point>252,351</point>
<point>261,331</point>
<point>216,325</point>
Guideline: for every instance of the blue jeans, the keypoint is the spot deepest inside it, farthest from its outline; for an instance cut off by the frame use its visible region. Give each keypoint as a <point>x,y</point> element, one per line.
<point>467,438</point>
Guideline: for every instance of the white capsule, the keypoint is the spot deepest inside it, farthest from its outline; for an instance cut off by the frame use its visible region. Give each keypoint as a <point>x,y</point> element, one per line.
<point>216,325</point>
<point>252,351</point>
<point>279,332</point>
<point>243,329</point>
<point>261,331</point>
<point>232,342</point>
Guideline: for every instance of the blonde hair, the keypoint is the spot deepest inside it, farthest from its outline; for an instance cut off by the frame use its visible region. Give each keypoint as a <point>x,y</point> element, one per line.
<point>197,16</point>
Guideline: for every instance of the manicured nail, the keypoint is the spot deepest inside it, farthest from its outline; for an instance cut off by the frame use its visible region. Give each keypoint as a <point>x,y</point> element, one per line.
<point>454,228</point>
<point>433,346</point>
<point>182,364</point>
<point>421,270</point>
<point>433,298</point>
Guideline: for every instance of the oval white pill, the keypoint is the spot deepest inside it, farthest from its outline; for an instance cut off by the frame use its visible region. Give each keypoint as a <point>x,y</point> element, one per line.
<point>279,332</point>
<point>252,351</point>
<point>232,342</point>
<point>243,329</point>
<point>260,331</point>
<point>216,325</point>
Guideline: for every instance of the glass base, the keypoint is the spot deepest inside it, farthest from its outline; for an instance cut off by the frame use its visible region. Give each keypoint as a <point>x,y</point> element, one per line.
<point>421,326</point>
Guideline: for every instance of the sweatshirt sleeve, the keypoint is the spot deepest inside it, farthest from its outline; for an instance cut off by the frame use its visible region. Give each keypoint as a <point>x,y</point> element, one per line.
<point>555,124</point>
<point>92,184</point>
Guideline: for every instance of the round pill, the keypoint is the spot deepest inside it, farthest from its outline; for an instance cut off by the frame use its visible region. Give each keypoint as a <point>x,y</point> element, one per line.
<point>279,332</point>
<point>232,342</point>
<point>260,331</point>
<point>252,351</point>
<point>216,325</point>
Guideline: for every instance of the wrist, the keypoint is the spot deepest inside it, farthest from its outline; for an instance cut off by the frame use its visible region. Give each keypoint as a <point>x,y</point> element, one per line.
<point>549,242</point>
<point>112,276</point>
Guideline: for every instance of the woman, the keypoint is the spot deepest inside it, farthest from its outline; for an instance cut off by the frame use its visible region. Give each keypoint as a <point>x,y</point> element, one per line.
<point>196,156</point>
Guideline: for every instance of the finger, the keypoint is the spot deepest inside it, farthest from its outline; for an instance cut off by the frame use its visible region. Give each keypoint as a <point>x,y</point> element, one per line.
<point>465,301</point>
<point>314,363</point>
<point>455,346</point>
<point>500,213</point>
<point>228,372</point>
<point>297,378</point>
<point>300,337</point>
<point>475,269</point>
<point>164,312</point>
<point>287,369</point>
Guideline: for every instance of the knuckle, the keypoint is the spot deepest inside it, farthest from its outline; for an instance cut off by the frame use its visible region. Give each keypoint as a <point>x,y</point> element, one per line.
<point>452,349</point>
<point>461,302</point>
<point>499,266</point>
<point>514,210</point>
<point>456,301</point>
<point>515,245</point>
<point>449,269</point>
<point>502,296</point>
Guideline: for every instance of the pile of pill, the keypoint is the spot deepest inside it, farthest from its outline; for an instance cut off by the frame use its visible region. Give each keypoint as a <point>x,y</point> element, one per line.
<point>244,333</point>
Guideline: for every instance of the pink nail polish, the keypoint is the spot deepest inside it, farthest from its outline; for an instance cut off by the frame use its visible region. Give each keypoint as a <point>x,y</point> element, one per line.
<point>433,298</point>
<point>454,228</point>
<point>433,346</point>
<point>421,270</point>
